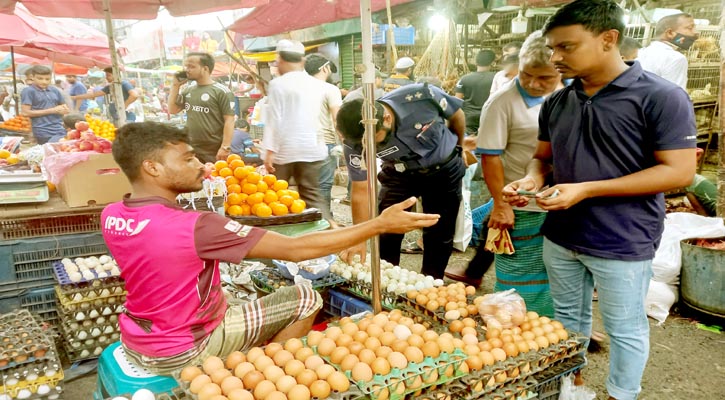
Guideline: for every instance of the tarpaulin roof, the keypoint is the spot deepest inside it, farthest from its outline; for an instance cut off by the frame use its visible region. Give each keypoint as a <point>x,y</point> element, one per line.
<point>287,15</point>
<point>126,9</point>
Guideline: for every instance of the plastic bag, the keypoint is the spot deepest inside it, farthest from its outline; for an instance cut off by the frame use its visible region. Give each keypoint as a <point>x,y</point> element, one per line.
<point>464,223</point>
<point>57,162</point>
<point>569,391</point>
<point>659,300</point>
<point>502,310</point>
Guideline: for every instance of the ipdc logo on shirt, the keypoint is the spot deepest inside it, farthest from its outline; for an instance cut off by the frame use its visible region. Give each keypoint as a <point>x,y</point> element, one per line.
<point>125,227</point>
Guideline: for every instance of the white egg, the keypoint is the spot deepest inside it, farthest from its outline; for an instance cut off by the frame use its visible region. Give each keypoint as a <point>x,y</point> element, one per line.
<point>115,271</point>
<point>79,260</point>
<point>82,335</point>
<point>50,372</point>
<point>75,276</point>
<point>65,261</point>
<point>73,326</point>
<point>88,275</point>
<point>97,351</point>
<point>390,288</point>
<point>402,332</point>
<point>104,259</point>
<point>23,394</point>
<point>143,394</point>
<point>409,287</point>
<point>105,292</point>
<point>11,382</point>
<point>102,274</point>
<point>101,320</point>
<point>107,311</point>
<point>120,398</point>
<point>96,332</point>
<point>118,290</point>
<point>70,268</point>
<point>75,345</point>
<point>31,377</point>
<point>347,275</point>
<point>429,278</point>
<point>438,282</point>
<point>80,316</point>
<point>5,397</point>
<point>43,389</point>
<point>102,339</point>
<point>93,314</point>
<point>85,353</point>
<point>419,286</point>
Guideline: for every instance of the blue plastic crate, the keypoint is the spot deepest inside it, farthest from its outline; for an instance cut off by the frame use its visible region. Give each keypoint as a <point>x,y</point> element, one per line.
<point>28,263</point>
<point>403,36</point>
<point>40,302</point>
<point>343,305</point>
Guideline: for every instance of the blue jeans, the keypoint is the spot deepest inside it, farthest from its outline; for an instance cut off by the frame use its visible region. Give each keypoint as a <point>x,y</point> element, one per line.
<point>622,287</point>
<point>327,178</point>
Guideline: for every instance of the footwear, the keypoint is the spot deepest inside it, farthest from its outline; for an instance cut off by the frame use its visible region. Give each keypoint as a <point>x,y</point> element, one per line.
<point>411,248</point>
<point>463,278</point>
<point>345,200</point>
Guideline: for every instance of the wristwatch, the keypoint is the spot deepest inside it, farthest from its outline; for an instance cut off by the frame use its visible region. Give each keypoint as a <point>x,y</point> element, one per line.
<point>227,148</point>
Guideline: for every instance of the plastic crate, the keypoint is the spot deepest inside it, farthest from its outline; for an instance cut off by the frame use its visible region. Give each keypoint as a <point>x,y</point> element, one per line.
<point>40,302</point>
<point>403,36</point>
<point>342,305</point>
<point>28,263</point>
<point>34,227</point>
<point>549,380</point>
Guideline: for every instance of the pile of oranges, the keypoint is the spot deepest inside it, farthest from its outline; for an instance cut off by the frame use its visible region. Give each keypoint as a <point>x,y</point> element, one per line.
<point>104,129</point>
<point>7,157</point>
<point>17,123</point>
<point>251,194</point>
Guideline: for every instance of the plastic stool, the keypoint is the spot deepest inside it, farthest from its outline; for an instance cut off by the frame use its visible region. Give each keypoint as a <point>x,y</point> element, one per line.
<point>117,376</point>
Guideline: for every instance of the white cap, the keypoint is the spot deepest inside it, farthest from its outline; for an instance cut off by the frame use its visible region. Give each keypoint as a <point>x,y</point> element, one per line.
<point>290,46</point>
<point>404,63</point>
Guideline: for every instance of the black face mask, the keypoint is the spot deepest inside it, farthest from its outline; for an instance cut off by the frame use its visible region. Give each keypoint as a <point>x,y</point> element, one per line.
<point>682,41</point>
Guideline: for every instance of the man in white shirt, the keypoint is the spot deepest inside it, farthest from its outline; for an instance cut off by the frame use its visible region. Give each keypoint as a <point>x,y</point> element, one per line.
<point>662,57</point>
<point>294,143</point>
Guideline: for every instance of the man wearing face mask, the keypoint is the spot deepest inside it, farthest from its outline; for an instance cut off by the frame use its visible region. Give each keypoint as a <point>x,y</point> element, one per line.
<point>663,57</point>
<point>421,157</point>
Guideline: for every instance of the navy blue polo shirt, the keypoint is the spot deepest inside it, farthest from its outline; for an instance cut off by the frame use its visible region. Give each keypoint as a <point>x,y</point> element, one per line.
<point>47,126</point>
<point>609,135</point>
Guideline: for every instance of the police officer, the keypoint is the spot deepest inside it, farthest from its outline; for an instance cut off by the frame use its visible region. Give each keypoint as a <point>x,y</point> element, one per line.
<point>421,157</point>
<point>403,75</point>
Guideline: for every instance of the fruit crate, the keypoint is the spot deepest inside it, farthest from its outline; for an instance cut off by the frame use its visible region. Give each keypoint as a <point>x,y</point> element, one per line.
<point>50,225</point>
<point>28,263</point>
<point>342,305</point>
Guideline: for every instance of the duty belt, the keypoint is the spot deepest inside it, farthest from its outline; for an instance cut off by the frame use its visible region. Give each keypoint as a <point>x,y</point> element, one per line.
<point>401,167</point>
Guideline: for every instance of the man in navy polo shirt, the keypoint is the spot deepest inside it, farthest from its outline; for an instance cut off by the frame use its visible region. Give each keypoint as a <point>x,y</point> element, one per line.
<point>612,141</point>
<point>45,106</point>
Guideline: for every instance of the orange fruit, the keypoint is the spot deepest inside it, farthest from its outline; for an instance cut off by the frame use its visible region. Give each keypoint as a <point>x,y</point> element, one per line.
<point>246,209</point>
<point>280,184</point>
<point>234,210</point>
<point>51,186</point>
<point>13,159</point>
<point>234,199</point>
<point>255,198</point>
<point>263,211</point>
<point>270,197</point>
<point>214,173</point>
<point>226,171</point>
<point>254,177</point>
<point>234,188</point>
<point>234,164</point>
<point>4,153</point>
<point>294,194</point>
<point>279,209</point>
<point>249,188</point>
<point>262,187</point>
<point>283,192</point>
<point>243,196</point>
<point>241,173</point>
<point>231,180</point>
<point>233,157</point>
<point>269,179</point>
<point>297,206</point>
<point>287,200</point>
<point>219,165</point>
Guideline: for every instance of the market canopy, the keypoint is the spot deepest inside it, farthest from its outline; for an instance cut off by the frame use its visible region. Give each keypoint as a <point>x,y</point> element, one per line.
<point>126,9</point>
<point>274,17</point>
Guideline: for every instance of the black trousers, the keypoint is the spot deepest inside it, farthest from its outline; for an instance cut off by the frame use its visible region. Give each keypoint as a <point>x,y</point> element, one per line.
<point>439,188</point>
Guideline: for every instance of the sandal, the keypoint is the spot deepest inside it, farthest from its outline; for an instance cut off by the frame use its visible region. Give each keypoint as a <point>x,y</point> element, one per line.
<point>411,248</point>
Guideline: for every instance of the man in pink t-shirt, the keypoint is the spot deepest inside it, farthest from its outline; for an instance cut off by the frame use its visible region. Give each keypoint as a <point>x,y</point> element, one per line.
<point>176,313</point>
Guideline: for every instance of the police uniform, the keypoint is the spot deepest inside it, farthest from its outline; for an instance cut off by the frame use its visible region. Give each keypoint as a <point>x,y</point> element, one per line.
<point>395,81</point>
<point>421,159</point>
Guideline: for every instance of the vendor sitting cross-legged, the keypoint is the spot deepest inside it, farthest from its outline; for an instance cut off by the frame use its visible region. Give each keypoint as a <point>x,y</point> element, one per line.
<point>175,311</point>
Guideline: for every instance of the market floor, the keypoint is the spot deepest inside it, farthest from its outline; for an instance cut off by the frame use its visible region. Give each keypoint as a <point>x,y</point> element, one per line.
<point>685,362</point>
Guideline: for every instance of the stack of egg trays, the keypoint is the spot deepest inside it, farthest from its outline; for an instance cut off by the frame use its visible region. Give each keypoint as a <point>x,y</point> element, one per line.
<point>264,280</point>
<point>364,290</point>
<point>76,299</point>
<point>430,372</point>
<point>516,390</point>
<point>67,285</point>
<point>27,352</point>
<point>86,333</point>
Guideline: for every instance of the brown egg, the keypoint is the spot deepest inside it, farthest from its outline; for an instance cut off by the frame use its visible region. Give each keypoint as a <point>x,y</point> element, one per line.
<point>294,367</point>
<point>380,366</point>
<point>254,353</point>
<point>333,332</point>
<point>467,330</point>
<point>381,393</point>
<point>212,364</point>
<point>324,370</point>
<point>562,334</point>
<point>276,395</point>
<point>263,389</point>
<point>271,349</point>
<point>360,336</point>
<point>272,373</point>
<point>313,339</point>
<point>415,340</point>
<point>314,361</point>
<point>498,354</point>
<point>383,351</point>
<point>362,372</point>
<point>533,345</point>
<point>355,347</point>
<point>414,354</point>
<point>189,373</point>
<point>336,356</point>
<point>282,357</point>
<point>470,339</point>
<point>511,349</point>
<point>456,326</point>
<point>372,343</point>
<point>242,368</point>
<point>542,341</point>
<point>294,344</point>
<point>395,314</point>
<point>507,339</point>
<point>208,391</point>
<point>407,321</point>
<point>486,358</point>
<point>431,349</point>
<point>326,347</point>
<point>233,359</point>
<point>219,375</point>
<point>344,340</point>
<point>528,335</point>
<point>462,309</point>
<point>380,319</point>
<point>285,383</point>
<point>338,382</point>
<point>303,353</point>
<point>390,326</point>
<point>367,356</point>
<point>547,328</point>
<point>474,362</point>
<point>522,346</point>
<point>471,349</point>
<point>552,337</point>
<point>306,377</point>
<point>363,324</point>
<point>230,383</point>
<point>320,389</point>
<point>399,345</point>
<point>198,382</point>
<point>374,330</point>
<point>472,310</point>
<point>429,335</point>
<point>299,392</point>
<point>251,379</point>
<point>397,360</point>
<point>492,333</point>
<point>496,342</point>
<point>532,315</point>
<point>446,344</point>
<point>348,362</point>
<point>240,394</point>
<point>387,338</point>
<point>349,329</point>
<point>485,346</point>
<point>557,325</point>
<point>263,362</point>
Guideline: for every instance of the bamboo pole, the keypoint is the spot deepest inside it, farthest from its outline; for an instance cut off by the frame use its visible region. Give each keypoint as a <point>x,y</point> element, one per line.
<point>116,91</point>
<point>391,36</point>
<point>721,134</point>
<point>16,95</point>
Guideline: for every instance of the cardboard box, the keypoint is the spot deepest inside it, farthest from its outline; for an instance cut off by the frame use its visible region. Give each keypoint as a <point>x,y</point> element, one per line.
<point>99,180</point>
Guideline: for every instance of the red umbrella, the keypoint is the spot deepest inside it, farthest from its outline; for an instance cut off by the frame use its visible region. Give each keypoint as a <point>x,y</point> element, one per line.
<point>274,17</point>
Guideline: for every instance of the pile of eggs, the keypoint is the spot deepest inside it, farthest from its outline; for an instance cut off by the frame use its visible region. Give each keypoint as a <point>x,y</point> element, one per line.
<point>393,278</point>
<point>453,299</point>
<point>275,372</point>
<point>83,268</point>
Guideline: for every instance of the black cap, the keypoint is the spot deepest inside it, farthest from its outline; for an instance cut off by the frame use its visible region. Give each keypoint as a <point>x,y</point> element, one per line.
<point>315,62</point>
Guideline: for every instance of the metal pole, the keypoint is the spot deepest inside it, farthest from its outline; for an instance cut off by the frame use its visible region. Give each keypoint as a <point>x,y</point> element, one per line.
<point>721,134</point>
<point>368,114</point>
<point>390,35</point>
<point>16,95</point>
<point>116,91</point>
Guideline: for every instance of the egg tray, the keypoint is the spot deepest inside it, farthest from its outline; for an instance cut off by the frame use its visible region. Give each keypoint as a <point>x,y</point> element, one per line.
<point>364,290</point>
<point>518,389</point>
<point>91,314</point>
<point>54,393</point>
<point>84,352</point>
<point>408,375</point>
<point>23,341</point>
<point>176,394</point>
<point>423,318</point>
<point>13,390</point>
<point>439,314</point>
<point>91,298</point>
<point>12,365</point>
<point>62,277</point>
<point>263,280</point>
<point>107,329</point>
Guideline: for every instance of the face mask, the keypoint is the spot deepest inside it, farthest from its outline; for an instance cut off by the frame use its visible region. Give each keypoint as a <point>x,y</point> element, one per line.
<point>682,41</point>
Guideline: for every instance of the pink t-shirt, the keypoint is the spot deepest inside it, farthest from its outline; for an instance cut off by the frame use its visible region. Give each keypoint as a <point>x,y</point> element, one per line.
<point>169,259</point>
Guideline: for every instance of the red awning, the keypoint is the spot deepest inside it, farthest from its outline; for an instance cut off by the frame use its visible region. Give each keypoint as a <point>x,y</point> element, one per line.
<point>287,15</point>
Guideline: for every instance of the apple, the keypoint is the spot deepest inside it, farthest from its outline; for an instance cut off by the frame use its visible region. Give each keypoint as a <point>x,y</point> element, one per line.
<point>73,134</point>
<point>85,145</point>
<point>105,144</point>
<point>82,126</point>
<point>97,147</point>
<point>87,135</point>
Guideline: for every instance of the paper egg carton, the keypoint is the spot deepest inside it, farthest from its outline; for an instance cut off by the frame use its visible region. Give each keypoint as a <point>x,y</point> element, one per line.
<point>36,383</point>
<point>92,297</point>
